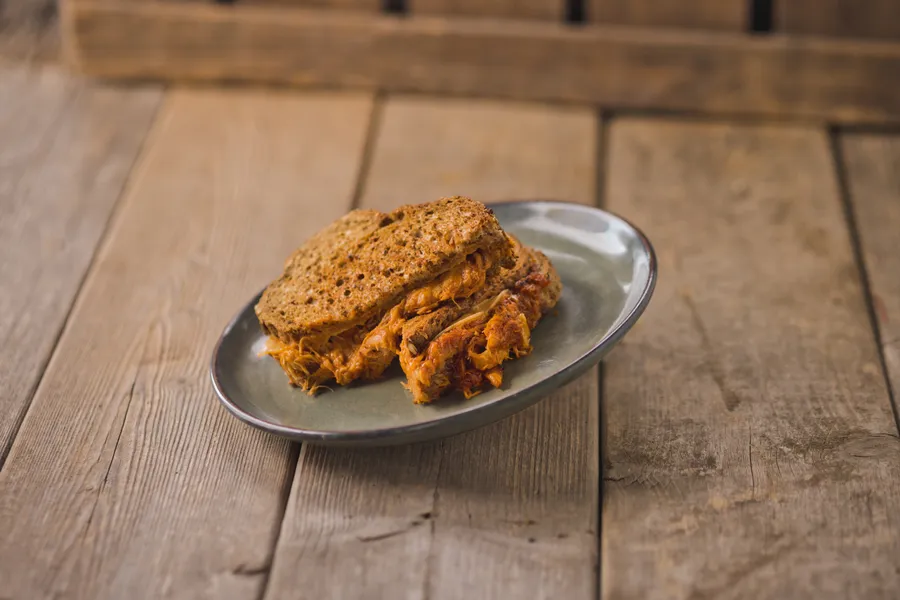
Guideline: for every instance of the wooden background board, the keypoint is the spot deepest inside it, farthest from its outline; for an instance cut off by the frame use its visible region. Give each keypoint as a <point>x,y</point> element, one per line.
<point>372,6</point>
<point>872,165</point>
<point>54,209</point>
<point>751,449</point>
<point>613,66</point>
<point>727,15</point>
<point>551,10</point>
<point>507,510</point>
<point>842,18</point>
<point>127,478</point>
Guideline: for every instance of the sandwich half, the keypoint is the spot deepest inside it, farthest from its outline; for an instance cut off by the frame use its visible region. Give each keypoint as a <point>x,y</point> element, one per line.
<point>373,286</point>
<point>463,346</point>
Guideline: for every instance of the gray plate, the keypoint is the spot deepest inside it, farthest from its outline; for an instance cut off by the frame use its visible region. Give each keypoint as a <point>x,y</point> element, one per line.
<point>608,271</point>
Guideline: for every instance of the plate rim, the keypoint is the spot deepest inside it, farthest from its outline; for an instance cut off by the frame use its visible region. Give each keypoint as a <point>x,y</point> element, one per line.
<point>553,382</point>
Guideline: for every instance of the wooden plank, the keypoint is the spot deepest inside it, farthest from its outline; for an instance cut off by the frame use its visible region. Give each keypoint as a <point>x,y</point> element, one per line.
<point>371,6</point>
<point>505,511</point>
<point>729,15</point>
<point>465,145</point>
<point>617,67</point>
<point>873,175</point>
<point>751,449</point>
<point>66,151</point>
<point>127,479</point>
<point>28,31</point>
<point>842,18</point>
<point>551,10</point>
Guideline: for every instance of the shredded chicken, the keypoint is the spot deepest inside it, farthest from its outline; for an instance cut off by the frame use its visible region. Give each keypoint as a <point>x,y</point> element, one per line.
<point>509,330</point>
<point>442,363</point>
<point>352,355</point>
<point>494,376</point>
<point>311,361</point>
<point>464,356</point>
<point>473,349</point>
<point>460,282</point>
<point>376,352</point>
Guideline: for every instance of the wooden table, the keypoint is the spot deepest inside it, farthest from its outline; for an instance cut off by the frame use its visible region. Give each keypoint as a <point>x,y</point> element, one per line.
<point>749,446</point>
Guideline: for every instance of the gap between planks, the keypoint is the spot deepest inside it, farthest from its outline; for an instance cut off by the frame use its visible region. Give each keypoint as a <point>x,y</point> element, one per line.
<point>54,222</point>
<point>843,184</point>
<point>746,412</point>
<point>94,506</point>
<point>604,119</point>
<point>373,127</point>
<point>372,130</point>
<point>872,163</point>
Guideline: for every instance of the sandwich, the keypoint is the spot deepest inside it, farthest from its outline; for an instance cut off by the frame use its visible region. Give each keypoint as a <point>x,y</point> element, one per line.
<point>438,285</point>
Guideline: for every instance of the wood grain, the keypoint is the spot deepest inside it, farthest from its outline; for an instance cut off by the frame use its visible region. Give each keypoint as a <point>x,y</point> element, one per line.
<point>751,450</point>
<point>843,18</point>
<point>617,67</point>
<point>505,511</point>
<point>730,15</point>
<point>127,479</point>
<point>65,154</point>
<point>872,165</point>
<point>551,10</point>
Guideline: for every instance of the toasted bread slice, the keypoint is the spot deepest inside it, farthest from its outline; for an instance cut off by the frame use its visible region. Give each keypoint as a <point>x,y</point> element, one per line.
<point>353,272</point>
<point>334,238</point>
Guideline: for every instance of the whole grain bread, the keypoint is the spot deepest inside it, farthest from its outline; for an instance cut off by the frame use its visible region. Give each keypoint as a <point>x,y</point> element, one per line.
<point>361,265</point>
<point>333,238</point>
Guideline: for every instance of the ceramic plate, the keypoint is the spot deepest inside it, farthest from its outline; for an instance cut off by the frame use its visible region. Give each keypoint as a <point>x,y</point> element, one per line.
<point>608,272</point>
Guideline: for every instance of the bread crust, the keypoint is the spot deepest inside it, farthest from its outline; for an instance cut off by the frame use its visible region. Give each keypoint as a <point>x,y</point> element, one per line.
<point>360,266</point>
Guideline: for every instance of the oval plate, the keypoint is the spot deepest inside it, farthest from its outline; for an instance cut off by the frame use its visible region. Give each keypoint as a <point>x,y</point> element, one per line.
<point>608,270</point>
